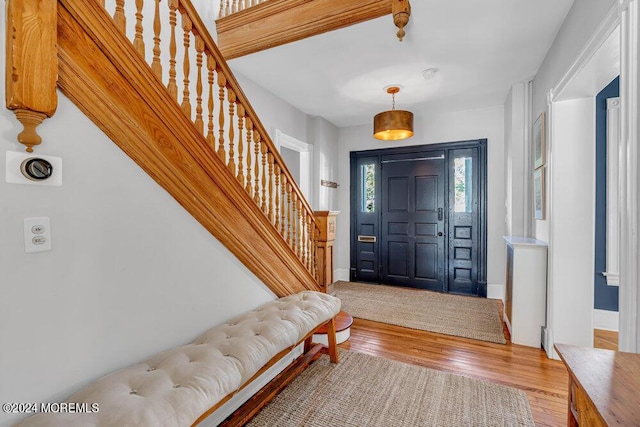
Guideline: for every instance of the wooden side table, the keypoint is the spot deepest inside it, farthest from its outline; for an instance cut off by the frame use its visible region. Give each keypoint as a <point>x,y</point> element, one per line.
<point>604,386</point>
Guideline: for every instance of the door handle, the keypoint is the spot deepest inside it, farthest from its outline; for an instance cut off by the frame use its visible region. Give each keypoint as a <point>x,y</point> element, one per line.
<point>440,234</point>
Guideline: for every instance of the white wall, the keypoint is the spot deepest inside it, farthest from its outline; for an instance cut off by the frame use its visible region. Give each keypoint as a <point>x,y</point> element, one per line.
<point>324,137</point>
<point>579,25</point>
<point>275,113</point>
<point>517,168</point>
<point>569,226</point>
<point>131,273</point>
<point>445,127</point>
<point>572,190</point>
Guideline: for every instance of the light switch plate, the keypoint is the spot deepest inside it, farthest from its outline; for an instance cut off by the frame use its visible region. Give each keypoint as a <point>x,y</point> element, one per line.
<point>37,235</point>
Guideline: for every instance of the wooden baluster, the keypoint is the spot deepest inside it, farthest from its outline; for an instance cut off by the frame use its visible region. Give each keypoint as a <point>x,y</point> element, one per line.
<point>199,123</point>
<point>283,208</point>
<point>172,87</point>
<point>232,136</point>
<point>187,25</point>
<point>277,196</point>
<point>310,243</point>
<point>272,217</point>
<point>303,235</point>
<point>264,177</point>
<point>241,114</point>
<point>300,230</point>
<point>222,83</point>
<point>296,224</point>
<point>288,211</point>
<point>119,17</point>
<point>290,216</point>
<point>234,8</point>
<point>138,41</point>
<point>156,66</point>
<point>249,125</point>
<point>316,235</point>
<point>221,11</point>
<point>211,68</point>
<point>256,168</point>
<point>227,7</point>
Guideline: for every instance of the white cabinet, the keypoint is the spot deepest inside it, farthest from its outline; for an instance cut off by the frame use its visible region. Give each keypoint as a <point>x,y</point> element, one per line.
<point>526,290</point>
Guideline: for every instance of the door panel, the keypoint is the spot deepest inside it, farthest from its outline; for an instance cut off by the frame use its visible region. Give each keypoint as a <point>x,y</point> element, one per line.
<point>365,199</point>
<point>412,252</point>
<point>463,222</point>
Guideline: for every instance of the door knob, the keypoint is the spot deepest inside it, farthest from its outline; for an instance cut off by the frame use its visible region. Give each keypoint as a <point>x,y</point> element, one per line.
<point>440,234</point>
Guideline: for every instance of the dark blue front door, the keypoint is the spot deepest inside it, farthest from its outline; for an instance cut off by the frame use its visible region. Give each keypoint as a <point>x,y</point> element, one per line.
<point>413,223</point>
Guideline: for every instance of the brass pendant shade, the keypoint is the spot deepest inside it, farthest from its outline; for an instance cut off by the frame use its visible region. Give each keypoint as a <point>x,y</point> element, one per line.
<point>393,125</point>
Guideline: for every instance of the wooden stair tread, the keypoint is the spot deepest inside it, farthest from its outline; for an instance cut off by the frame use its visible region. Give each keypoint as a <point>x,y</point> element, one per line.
<point>343,322</point>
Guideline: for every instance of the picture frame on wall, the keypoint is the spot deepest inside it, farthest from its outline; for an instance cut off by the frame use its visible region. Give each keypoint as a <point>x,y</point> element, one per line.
<point>539,149</point>
<point>539,193</point>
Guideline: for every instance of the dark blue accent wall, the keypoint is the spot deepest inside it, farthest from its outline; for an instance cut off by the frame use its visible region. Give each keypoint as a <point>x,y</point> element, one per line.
<point>605,297</point>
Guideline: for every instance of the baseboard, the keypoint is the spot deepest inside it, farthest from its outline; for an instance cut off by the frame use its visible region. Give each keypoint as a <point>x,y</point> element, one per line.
<point>495,291</point>
<point>605,319</point>
<point>547,344</point>
<point>341,274</point>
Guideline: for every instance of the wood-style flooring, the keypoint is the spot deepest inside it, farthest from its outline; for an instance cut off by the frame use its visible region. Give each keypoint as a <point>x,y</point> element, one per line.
<point>544,381</point>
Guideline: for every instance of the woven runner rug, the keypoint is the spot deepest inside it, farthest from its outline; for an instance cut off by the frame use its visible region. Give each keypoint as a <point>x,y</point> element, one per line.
<point>363,390</point>
<point>462,316</point>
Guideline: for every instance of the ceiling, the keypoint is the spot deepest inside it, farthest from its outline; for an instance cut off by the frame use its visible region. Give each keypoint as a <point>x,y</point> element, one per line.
<point>481,47</point>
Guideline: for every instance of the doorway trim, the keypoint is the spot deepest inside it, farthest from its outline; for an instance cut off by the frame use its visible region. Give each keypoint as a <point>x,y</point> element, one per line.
<point>305,150</point>
<point>623,14</point>
<point>481,145</point>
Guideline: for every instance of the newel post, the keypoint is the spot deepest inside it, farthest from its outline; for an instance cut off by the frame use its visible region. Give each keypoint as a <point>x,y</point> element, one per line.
<point>31,64</point>
<point>326,221</point>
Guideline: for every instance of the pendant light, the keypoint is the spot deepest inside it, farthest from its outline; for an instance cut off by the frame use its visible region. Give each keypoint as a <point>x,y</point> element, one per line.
<point>393,125</point>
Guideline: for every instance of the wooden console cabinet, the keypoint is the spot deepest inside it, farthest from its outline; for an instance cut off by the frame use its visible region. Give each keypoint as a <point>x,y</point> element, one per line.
<point>604,386</point>
<point>526,290</point>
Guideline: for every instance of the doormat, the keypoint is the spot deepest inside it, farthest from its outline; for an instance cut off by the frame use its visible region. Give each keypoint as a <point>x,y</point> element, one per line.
<point>461,316</point>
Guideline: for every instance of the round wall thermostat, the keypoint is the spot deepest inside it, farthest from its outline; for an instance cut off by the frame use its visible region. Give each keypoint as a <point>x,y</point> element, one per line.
<point>36,169</point>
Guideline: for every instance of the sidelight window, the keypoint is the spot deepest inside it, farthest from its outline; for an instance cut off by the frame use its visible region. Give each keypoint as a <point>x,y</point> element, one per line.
<point>368,180</point>
<point>463,178</point>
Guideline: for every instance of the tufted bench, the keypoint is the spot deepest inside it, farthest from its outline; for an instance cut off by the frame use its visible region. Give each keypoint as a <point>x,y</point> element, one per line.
<point>179,387</point>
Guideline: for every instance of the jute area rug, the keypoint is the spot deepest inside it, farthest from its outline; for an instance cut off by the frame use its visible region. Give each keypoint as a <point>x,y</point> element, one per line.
<point>462,316</point>
<point>363,390</point>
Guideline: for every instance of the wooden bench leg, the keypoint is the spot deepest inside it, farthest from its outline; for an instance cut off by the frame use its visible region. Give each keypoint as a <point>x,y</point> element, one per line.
<point>307,343</point>
<point>331,338</point>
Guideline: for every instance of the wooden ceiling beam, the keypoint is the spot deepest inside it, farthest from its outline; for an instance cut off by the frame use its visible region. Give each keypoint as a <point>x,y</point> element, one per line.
<point>277,22</point>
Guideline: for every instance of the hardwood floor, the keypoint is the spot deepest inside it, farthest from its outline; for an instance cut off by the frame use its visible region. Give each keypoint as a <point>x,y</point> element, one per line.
<point>526,368</point>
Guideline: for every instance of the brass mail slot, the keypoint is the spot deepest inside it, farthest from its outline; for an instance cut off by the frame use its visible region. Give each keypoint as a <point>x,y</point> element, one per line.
<point>368,239</point>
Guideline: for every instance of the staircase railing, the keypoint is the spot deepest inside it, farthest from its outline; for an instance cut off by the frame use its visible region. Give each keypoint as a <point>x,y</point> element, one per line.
<point>228,7</point>
<point>198,78</point>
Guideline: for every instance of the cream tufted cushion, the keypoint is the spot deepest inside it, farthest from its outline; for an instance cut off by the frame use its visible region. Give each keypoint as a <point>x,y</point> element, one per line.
<point>176,386</point>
